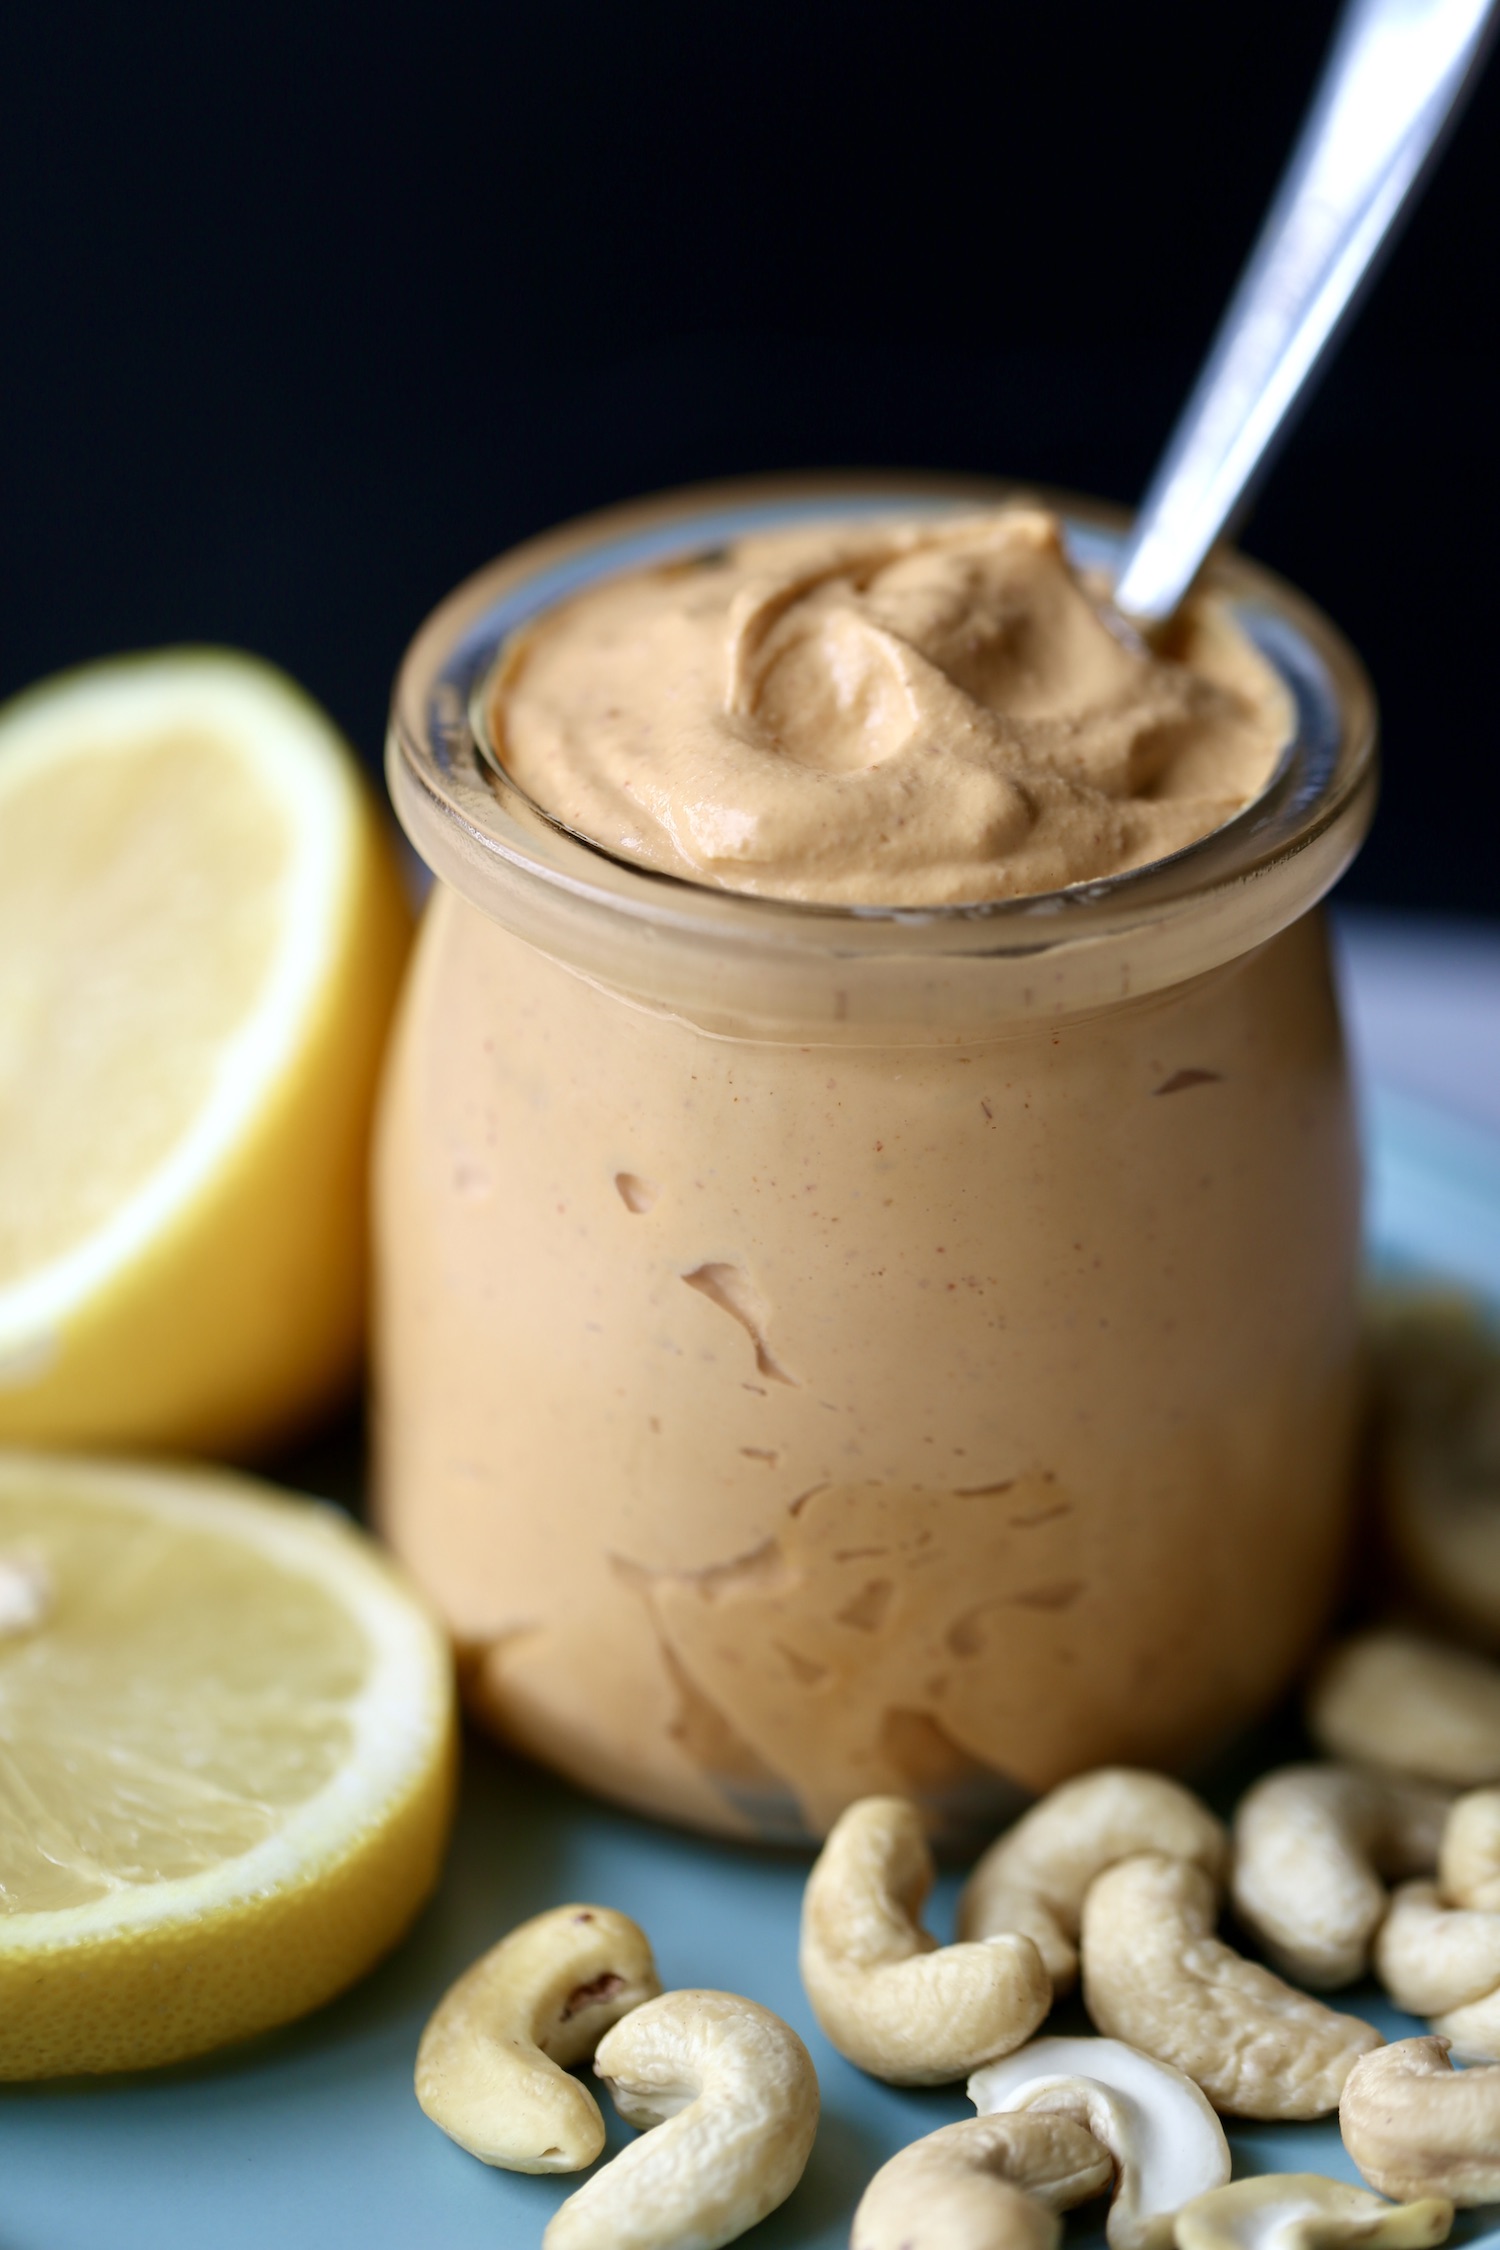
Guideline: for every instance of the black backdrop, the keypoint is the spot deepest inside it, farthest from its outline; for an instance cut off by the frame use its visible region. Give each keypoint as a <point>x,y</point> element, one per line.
<point>310,308</point>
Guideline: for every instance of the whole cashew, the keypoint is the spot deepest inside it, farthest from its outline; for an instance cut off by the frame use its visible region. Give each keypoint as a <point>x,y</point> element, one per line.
<point>1439,1952</point>
<point>491,2065</point>
<point>1300,2211</point>
<point>728,2099</point>
<point>1409,1705</point>
<point>1167,2144</point>
<point>1154,1974</point>
<point>1469,1860</point>
<point>1416,2126</point>
<point>891,1999</point>
<point>1033,1879</point>
<point>1443,1962</point>
<point>991,2183</point>
<point>1439,1456</point>
<point>1311,1844</point>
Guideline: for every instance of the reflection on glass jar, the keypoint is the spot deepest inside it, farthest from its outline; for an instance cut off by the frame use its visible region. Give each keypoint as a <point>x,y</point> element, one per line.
<point>824,1352</point>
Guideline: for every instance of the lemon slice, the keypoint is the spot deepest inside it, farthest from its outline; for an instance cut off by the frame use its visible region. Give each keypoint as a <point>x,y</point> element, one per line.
<point>201,933</point>
<point>226,1760</point>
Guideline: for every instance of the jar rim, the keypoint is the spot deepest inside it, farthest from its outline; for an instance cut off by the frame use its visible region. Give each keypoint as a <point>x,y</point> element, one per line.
<point>442,776</point>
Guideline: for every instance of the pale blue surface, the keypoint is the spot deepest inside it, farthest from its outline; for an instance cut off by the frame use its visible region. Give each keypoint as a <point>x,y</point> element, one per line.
<point>312,2140</point>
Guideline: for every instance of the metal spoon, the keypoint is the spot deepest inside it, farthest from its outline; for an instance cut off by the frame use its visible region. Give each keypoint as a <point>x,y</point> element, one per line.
<point>1394,81</point>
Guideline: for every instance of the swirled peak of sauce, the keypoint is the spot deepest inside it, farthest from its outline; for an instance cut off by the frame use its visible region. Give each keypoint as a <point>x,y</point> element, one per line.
<point>903,713</point>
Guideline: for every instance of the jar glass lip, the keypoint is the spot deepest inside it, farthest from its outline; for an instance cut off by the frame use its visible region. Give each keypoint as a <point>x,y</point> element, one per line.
<point>478,828</point>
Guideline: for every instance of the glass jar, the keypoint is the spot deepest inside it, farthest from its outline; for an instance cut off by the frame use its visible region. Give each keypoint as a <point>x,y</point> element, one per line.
<point>824,1351</point>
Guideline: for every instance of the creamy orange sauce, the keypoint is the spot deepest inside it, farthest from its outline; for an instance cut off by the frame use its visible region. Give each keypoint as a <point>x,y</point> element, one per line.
<point>781,1408</point>
<point>909,713</point>
<point>775,1424</point>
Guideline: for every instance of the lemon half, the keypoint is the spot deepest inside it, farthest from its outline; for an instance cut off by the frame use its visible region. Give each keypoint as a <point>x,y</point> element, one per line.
<point>226,1761</point>
<point>201,932</point>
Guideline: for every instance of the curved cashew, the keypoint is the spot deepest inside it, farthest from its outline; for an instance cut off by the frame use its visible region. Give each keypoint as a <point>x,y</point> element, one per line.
<point>1416,2126</point>
<point>1439,1456</point>
<point>1439,1953</point>
<point>1154,1974</point>
<point>1443,1962</point>
<point>1409,1705</point>
<point>1167,2144</point>
<point>991,2183</point>
<point>1311,1844</point>
<point>887,1995</point>
<point>491,2065</point>
<point>1034,1878</point>
<point>728,2099</point>
<point>1300,2211</point>
<point>1469,1861</point>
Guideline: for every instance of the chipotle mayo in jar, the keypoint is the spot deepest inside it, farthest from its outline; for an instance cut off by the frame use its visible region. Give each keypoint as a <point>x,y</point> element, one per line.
<point>867,1200</point>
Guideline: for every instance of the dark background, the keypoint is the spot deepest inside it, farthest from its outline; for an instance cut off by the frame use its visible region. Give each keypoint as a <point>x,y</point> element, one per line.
<point>309,309</point>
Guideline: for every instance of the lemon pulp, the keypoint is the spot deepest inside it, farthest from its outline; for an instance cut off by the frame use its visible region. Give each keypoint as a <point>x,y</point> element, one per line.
<point>121,952</point>
<point>201,931</point>
<point>225,1761</point>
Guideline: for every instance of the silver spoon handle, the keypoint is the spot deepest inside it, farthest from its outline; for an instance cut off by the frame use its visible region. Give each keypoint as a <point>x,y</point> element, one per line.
<point>1394,79</point>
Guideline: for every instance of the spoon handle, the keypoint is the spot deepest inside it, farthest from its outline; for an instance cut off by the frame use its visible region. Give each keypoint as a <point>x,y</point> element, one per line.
<point>1394,79</point>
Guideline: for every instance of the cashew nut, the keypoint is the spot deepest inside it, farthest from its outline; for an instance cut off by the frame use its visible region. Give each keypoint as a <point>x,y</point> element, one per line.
<point>1167,2144</point>
<point>1439,1952</point>
<point>1409,1705</point>
<point>1443,1962</point>
<point>1300,2211</point>
<point>1154,1974</point>
<point>1469,1861</point>
<point>991,2183</point>
<point>1311,1844</point>
<point>491,2065</point>
<point>727,2098</point>
<point>1439,1456</point>
<point>887,1995</point>
<point>1416,2126</point>
<point>1033,1878</point>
